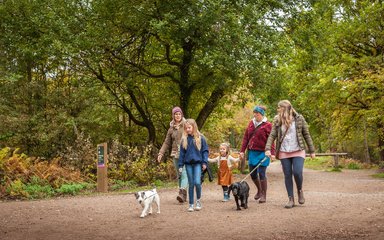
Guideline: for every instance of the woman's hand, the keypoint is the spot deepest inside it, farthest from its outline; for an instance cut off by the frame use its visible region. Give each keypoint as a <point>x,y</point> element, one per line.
<point>268,154</point>
<point>312,155</point>
<point>159,157</point>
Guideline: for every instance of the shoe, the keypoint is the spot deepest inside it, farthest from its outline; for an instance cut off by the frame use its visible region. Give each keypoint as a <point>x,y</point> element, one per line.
<point>198,205</point>
<point>180,197</point>
<point>291,203</point>
<point>301,197</point>
<point>190,209</point>
<point>226,197</point>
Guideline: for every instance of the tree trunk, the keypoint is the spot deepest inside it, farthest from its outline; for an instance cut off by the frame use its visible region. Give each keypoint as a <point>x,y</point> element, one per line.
<point>210,105</point>
<point>186,88</point>
<point>366,148</point>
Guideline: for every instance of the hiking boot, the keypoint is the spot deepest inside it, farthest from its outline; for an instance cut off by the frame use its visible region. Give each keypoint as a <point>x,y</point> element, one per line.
<point>258,185</point>
<point>190,209</point>
<point>301,197</point>
<point>180,197</point>
<point>263,197</point>
<point>198,205</point>
<point>290,203</point>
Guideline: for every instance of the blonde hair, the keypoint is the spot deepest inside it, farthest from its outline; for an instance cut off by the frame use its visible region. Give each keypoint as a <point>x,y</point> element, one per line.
<point>227,147</point>
<point>195,133</point>
<point>285,117</point>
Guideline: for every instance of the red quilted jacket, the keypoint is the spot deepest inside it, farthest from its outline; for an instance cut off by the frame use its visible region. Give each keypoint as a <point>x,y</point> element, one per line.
<point>257,140</point>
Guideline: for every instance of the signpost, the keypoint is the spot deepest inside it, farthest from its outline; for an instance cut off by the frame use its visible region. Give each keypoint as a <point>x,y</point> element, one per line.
<point>102,163</point>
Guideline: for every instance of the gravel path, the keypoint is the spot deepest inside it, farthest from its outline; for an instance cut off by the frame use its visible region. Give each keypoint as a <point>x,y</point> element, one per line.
<point>346,205</point>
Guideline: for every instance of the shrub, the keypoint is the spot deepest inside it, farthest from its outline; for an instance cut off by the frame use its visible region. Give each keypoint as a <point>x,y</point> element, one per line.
<point>72,189</point>
<point>36,191</point>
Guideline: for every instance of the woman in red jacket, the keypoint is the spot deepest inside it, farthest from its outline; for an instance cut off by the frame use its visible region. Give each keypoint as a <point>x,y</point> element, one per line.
<point>254,140</point>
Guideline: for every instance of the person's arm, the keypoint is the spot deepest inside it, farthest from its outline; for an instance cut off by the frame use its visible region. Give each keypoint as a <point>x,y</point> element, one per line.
<point>233,159</point>
<point>216,159</point>
<point>245,142</point>
<point>271,138</point>
<point>308,139</point>
<point>204,152</point>
<point>181,156</point>
<point>166,145</point>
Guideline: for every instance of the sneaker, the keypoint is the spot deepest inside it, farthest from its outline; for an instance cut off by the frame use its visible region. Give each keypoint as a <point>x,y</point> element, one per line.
<point>190,209</point>
<point>198,205</point>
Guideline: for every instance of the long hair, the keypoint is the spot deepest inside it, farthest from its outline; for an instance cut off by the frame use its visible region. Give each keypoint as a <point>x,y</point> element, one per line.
<point>286,115</point>
<point>195,133</point>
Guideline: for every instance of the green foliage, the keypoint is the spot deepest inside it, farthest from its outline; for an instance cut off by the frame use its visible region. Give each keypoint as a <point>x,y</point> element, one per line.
<point>74,188</point>
<point>121,185</point>
<point>378,175</point>
<point>319,163</point>
<point>37,191</point>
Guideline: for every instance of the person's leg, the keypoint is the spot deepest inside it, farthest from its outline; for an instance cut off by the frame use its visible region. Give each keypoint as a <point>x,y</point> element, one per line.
<point>189,169</point>
<point>225,193</point>
<point>197,183</point>
<point>197,179</point>
<point>182,182</point>
<point>287,169</point>
<point>256,181</point>
<point>263,182</point>
<point>298,164</point>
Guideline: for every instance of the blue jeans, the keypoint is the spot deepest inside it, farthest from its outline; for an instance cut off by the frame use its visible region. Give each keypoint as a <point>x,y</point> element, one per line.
<point>293,166</point>
<point>183,180</point>
<point>194,179</point>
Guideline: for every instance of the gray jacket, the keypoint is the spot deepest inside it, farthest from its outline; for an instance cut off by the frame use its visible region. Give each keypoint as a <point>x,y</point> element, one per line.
<point>302,131</point>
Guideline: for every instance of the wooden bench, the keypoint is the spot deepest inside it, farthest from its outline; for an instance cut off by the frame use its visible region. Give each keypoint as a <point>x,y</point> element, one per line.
<point>335,157</point>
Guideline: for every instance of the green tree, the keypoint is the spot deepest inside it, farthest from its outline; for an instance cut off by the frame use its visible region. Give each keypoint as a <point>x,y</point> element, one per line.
<point>336,68</point>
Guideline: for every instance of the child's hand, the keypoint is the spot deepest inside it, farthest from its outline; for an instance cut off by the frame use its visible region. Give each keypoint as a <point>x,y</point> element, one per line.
<point>204,167</point>
<point>180,170</point>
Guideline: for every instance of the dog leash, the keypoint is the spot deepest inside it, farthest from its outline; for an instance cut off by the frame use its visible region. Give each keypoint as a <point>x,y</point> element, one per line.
<point>257,166</point>
<point>150,195</point>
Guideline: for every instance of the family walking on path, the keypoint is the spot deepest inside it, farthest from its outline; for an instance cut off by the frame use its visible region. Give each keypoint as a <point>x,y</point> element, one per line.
<point>286,139</point>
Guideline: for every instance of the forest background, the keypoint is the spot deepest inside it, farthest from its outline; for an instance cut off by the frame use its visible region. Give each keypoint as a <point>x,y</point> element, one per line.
<point>77,73</point>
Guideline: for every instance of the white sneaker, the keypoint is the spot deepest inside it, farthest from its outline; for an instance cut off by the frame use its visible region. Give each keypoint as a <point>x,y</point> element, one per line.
<point>198,205</point>
<point>190,209</point>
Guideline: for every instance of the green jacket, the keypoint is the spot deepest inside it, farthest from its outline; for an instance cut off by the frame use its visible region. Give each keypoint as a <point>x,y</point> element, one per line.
<point>302,131</point>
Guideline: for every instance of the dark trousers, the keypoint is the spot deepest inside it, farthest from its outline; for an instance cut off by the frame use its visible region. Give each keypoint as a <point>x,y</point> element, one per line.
<point>293,166</point>
<point>261,172</point>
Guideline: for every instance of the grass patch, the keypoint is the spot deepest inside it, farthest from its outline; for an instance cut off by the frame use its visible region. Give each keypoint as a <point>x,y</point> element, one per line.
<point>319,163</point>
<point>378,175</point>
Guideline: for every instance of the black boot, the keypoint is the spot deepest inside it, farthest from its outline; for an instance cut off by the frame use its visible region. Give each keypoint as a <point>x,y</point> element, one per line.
<point>258,185</point>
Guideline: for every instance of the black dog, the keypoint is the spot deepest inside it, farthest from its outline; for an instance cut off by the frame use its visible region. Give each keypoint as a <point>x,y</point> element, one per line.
<point>240,190</point>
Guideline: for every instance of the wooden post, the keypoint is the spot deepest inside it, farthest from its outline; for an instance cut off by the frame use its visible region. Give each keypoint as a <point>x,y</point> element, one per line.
<point>102,161</point>
<point>336,160</point>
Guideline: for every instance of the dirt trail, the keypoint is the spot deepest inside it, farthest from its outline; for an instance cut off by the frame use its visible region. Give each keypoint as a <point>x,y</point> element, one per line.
<point>346,205</point>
